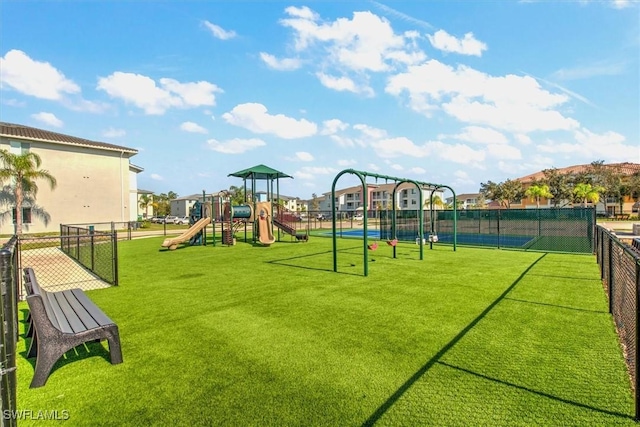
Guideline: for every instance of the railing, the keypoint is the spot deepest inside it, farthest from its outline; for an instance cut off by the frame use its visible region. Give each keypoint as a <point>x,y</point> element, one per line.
<point>97,251</point>
<point>620,273</point>
<point>9,273</point>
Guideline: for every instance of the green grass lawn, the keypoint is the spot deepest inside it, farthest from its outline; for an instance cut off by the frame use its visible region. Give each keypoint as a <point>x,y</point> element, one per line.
<point>251,335</point>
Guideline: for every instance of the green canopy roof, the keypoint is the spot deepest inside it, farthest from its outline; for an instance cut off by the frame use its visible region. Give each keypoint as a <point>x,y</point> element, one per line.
<point>260,172</point>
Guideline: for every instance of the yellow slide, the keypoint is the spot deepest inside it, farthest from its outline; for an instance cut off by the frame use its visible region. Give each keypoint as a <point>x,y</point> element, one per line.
<point>173,242</point>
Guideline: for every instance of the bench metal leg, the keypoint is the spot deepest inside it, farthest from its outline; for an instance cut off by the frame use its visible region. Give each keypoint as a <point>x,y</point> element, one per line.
<point>47,357</point>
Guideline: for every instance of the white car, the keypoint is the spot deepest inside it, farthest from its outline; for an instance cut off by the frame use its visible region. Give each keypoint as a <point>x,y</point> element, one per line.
<point>170,219</point>
<point>181,220</point>
<point>358,217</point>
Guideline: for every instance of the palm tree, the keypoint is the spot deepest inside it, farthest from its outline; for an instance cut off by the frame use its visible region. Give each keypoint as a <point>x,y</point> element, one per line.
<point>145,201</point>
<point>538,191</point>
<point>24,170</point>
<point>586,193</point>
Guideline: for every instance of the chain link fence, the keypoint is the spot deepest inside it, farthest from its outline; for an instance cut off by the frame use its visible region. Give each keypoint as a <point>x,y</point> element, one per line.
<point>77,258</point>
<point>620,273</point>
<point>553,230</point>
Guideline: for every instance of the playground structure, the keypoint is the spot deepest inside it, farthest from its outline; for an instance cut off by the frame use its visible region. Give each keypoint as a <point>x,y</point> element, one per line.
<point>199,218</point>
<point>260,212</point>
<point>392,235</point>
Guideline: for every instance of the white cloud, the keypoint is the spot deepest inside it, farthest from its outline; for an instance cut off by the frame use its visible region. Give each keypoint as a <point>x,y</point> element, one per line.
<point>522,138</point>
<point>157,177</point>
<point>34,78</point>
<point>346,163</point>
<point>192,127</point>
<point>457,153</point>
<point>397,167</point>
<point>113,133</point>
<point>373,167</point>
<point>481,135</point>
<point>370,131</point>
<point>329,127</point>
<point>254,117</point>
<point>509,103</point>
<point>468,45</point>
<point>418,170</point>
<point>302,156</point>
<point>609,146</point>
<point>235,146</point>
<point>604,68</point>
<point>218,32</point>
<point>503,151</point>
<point>143,92</point>
<point>48,118</point>
<point>345,141</point>
<point>312,172</point>
<point>398,147</point>
<point>284,64</point>
<point>462,178</point>
<point>351,48</point>
<point>343,83</point>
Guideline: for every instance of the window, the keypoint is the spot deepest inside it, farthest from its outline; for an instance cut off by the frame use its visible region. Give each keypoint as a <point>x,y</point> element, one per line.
<point>19,148</point>
<point>26,215</point>
<point>413,201</point>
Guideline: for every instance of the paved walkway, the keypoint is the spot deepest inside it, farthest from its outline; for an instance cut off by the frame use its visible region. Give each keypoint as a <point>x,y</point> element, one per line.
<point>57,271</point>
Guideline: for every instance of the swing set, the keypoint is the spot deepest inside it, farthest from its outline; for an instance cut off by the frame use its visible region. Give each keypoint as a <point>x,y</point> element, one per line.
<point>393,238</point>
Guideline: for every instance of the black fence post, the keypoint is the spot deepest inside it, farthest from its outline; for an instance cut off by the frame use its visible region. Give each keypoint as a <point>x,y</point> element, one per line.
<point>114,262</point>
<point>8,330</point>
<point>610,278</point>
<point>93,251</point>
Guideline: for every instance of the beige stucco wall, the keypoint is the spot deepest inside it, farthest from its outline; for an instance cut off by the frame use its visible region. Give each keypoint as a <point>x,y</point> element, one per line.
<point>93,186</point>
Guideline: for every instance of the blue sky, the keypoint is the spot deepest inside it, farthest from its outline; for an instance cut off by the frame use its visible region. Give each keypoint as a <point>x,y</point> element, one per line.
<point>448,92</point>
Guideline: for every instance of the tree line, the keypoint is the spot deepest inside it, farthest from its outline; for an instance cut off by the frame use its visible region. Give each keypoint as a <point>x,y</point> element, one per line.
<point>595,182</point>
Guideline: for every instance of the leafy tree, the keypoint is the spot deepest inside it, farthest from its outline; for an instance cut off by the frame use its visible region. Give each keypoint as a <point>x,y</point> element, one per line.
<point>481,202</point>
<point>315,202</point>
<point>492,191</point>
<point>24,170</point>
<point>512,191</point>
<point>538,191</point>
<point>172,195</point>
<point>237,195</point>
<point>437,202</point>
<point>560,186</point>
<point>504,192</point>
<point>587,193</point>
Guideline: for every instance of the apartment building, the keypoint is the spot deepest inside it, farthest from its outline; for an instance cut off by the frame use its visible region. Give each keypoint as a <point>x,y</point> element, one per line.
<point>96,181</point>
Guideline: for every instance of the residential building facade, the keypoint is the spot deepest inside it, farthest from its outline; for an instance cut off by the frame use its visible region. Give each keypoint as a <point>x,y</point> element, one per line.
<point>95,181</point>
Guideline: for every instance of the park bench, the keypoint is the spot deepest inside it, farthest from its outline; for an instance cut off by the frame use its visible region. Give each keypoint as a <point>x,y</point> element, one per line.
<point>61,321</point>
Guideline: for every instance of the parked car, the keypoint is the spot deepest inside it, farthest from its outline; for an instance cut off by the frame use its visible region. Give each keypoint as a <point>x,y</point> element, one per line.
<point>181,220</point>
<point>157,219</point>
<point>358,217</point>
<point>170,219</point>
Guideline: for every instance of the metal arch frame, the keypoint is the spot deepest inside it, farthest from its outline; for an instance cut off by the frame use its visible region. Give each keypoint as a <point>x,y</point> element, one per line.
<point>363,175</point>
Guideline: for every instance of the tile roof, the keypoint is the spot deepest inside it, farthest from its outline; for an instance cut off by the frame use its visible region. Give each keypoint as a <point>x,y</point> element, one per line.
<point>11,130</point>
<point>626,168</point>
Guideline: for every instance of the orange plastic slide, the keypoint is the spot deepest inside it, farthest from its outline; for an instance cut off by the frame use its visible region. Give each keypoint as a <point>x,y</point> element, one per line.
<point>264,228</point>
<point>173,242</point>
